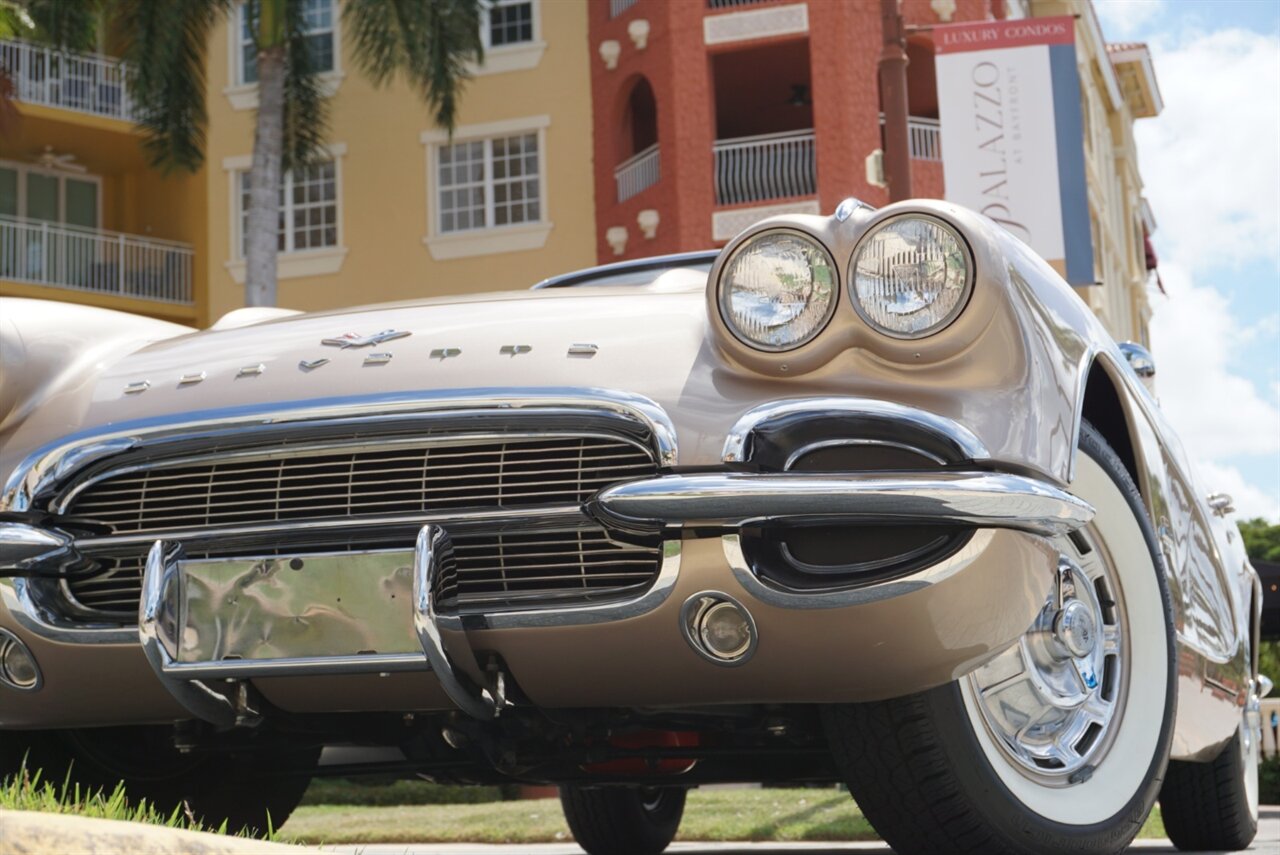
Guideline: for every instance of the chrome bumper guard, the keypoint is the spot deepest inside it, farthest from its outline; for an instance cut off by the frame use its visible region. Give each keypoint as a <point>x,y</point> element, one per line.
<point>223,619</point>
<point>730,501</point>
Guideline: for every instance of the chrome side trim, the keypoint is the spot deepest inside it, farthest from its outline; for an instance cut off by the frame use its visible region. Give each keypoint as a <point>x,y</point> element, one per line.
<point>785,598</point>
<point>155,616</point>
<point>432,550</point>
<point>735,444</point>
<point>60,458</point>
<point>635,265</point>
<point>977,499</point>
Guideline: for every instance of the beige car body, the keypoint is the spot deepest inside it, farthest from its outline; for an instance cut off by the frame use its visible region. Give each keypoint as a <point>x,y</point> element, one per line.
<point>1017,371</point>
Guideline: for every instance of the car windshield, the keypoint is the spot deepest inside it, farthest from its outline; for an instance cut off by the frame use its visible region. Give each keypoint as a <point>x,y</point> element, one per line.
<point>641,271</point>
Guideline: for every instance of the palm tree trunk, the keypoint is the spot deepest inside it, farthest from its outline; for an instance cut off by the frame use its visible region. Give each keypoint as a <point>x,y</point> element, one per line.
<point>262,240</point>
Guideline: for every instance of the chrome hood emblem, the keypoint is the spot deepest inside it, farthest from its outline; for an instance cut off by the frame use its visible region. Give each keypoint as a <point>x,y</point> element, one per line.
<point>353,340</point>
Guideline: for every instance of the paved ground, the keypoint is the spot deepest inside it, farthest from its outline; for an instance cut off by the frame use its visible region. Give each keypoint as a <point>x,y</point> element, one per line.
<point>1268,842</point>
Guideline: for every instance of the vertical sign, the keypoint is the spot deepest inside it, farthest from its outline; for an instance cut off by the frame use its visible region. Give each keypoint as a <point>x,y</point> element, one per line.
<point>1012,136</point>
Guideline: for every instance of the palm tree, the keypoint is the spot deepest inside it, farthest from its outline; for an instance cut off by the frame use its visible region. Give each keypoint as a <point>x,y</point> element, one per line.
<point>428,41</point>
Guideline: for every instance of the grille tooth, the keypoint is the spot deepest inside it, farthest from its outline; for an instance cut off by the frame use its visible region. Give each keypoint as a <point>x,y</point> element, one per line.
<point>488,569</point>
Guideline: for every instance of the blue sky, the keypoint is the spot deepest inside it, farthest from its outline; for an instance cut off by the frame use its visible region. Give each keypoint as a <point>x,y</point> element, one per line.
<point>1211,164</point>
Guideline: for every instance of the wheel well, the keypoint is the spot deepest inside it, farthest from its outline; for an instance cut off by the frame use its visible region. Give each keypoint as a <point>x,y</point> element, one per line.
<point>1103,410</point>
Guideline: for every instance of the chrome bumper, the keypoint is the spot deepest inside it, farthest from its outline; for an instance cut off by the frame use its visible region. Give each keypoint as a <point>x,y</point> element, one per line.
<point>977,499</point>
<point>191,613</point>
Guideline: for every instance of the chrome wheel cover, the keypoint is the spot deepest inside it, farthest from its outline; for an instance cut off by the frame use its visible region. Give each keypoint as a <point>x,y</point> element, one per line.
<point>1053,701</point>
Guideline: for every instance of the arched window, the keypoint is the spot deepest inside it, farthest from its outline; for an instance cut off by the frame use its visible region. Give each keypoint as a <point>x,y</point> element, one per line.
<point>640,121</point>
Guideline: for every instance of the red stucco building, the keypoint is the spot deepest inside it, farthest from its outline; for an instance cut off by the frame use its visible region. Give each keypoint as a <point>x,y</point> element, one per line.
<point>708,111</point>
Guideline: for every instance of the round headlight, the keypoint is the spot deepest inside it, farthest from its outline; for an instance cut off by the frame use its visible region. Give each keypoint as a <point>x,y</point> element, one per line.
<point>911,277</point>
<point>778,290</point>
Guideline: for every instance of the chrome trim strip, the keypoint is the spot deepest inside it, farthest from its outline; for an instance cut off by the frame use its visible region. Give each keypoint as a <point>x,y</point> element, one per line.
<point>22,545</point>
<point>735,444</point>
<point>431,551</point>
<point>836,443</point>
<point>312,666</point>
<point>835,599</point>
<point>155,614</point>
<point>523,518</point>
<point>59,458</point>
<point>978,499</point>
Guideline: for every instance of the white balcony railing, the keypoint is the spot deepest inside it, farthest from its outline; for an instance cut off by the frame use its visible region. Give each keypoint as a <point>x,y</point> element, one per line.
<point>638,173</point>
<point>102,262</point>
<point>617,7</point>
<point>86,82</point>
<point>924,137</point>
<point>769,166</point>
<point>729,4</point>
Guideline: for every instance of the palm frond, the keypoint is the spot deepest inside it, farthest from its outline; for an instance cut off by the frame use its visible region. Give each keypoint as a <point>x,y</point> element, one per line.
<point>166,42</point>
<point>66,23</point>
<point>305,106</point>
<point>429,41</point>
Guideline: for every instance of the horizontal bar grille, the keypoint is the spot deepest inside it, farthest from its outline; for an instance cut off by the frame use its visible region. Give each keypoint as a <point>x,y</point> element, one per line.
<point>457,474</point>
<point>488,570</point>
<point>387,480</point>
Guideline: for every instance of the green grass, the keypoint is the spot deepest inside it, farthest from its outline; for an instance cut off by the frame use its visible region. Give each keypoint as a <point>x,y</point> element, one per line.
<point>27,791</point>
<point>730,815</point>
<point>365,793</point>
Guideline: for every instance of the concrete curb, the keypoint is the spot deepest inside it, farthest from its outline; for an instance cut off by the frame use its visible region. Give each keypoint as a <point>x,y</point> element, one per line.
<point>30,833</point>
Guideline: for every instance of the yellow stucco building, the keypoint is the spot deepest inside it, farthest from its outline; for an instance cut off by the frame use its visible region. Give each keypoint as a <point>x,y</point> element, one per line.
<point>395,210</point>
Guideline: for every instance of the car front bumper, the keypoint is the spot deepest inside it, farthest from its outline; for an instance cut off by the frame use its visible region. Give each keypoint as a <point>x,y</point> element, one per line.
<point>206,623</point>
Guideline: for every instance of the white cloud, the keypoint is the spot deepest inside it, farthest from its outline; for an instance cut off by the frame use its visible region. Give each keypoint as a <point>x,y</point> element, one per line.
<point>1250,502</point>
<point>1216,412</point>
<point>1211,161</point>
<point>1120,19</point>
<point>1211,165</point>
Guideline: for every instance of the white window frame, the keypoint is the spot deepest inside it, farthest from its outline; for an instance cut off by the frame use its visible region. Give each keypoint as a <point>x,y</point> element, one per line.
<point>244,96</point>
<point>294,263</point>
<point>489,240</point>
<point>521,56</point>
<point>61,174</point>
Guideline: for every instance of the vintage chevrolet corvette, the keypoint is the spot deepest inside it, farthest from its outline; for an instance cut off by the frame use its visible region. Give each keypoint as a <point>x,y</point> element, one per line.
<point>868,498</point>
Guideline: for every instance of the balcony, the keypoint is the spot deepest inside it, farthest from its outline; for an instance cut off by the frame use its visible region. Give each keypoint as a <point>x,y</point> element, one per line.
<point>84,82</point>
<point>95,261</point>
<point>638,173</point>
<point>766,166</point>
<point>924,138</point>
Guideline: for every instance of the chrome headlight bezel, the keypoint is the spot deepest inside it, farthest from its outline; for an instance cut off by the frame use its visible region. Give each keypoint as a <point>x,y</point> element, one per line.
<point>722,295</point>
<point>952,315</point>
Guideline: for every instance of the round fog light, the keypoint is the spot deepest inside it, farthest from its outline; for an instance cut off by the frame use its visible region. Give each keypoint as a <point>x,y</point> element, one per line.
<point>718,628</point>
<point>17,665</point>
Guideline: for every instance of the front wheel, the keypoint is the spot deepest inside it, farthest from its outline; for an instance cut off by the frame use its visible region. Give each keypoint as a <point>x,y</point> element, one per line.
<point>623,820</point>
<point>1059,743</point>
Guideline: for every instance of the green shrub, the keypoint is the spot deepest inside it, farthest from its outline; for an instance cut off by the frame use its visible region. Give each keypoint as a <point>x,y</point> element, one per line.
<point>1269,781</point>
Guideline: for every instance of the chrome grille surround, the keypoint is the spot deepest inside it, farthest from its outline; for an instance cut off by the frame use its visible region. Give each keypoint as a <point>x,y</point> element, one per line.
<point>526,536</point>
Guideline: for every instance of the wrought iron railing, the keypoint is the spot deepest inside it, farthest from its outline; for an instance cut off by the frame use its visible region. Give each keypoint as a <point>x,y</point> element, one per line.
<point>638,173</point>
<point>768,166</point>
<point>99,261</point>
<point>924,137</point>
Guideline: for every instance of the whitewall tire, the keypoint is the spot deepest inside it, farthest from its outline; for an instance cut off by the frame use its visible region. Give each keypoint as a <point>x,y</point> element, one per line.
<point>1060,743</point>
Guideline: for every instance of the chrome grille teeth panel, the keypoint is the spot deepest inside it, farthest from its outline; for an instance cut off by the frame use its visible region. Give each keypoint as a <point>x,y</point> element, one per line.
<point>503,474</point>
<point>436,476</point>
